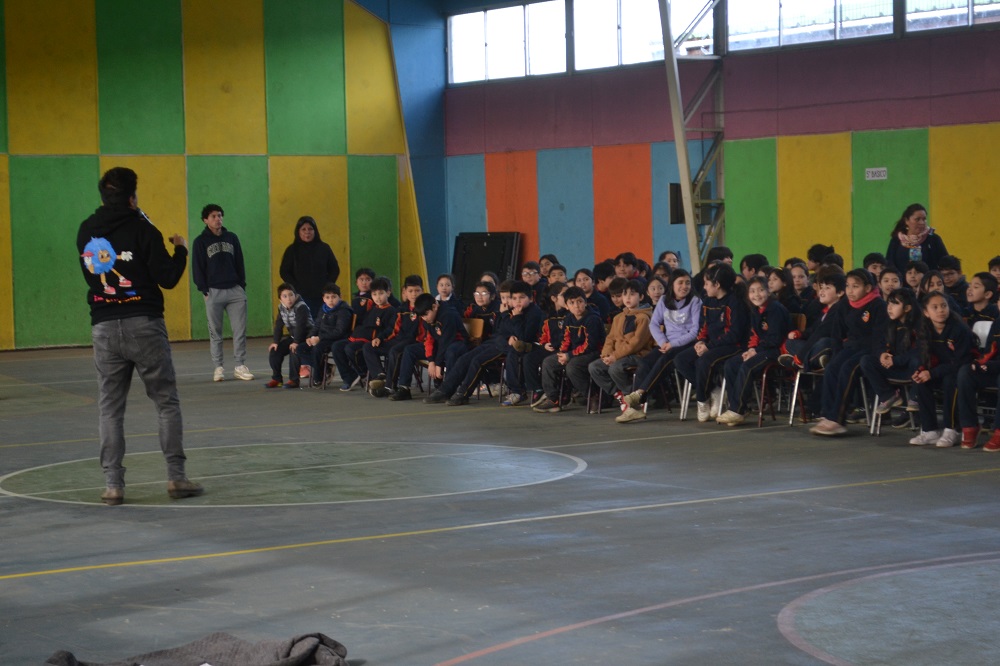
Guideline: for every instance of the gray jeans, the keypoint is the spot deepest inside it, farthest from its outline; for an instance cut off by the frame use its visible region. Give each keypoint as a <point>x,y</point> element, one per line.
<point>138,343</point>
<point>232,301</point>
<point>613,377</point>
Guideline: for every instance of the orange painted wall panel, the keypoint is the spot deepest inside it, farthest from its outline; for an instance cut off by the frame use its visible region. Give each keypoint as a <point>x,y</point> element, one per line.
<point>623,201</point>
<point>512,198</point>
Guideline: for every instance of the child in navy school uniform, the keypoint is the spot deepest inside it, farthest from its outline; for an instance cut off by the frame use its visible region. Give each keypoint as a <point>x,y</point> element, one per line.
<point>981,296</point>
<point>946,346</point>
<point>548,342</point>
<point>863,322</point>
<point>583,336</point>
<point>724,332</point>
<point>407,330</point>
<point>361,301</point>
<point>900,356</point>
<point>444,341</point>
<point>446,292</point>
<point>769,324</point>
<point>982,372</point>
<point>485,307</point>
<point>332,323</point>
<point>377,322</point>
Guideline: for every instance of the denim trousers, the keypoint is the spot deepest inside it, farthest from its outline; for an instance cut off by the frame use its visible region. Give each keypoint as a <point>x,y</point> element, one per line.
<point>140,344</point>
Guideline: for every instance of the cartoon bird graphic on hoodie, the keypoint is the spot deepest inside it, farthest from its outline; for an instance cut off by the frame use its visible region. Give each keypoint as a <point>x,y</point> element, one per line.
<point>99,258</point>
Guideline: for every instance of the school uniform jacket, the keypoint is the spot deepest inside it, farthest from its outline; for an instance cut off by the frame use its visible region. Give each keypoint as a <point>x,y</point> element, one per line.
<point>377,323</point>
<point>408,328</point>
<point>600,303</point>
<point>863,324</point>
<point>584,335</point>
<point>973,316</point>
<point>446,329</point>
<point>769,325</point>
<point>552,329</point>
<point>724,322</point>
<point>990,356</point>
<point>524,327</point>
<point>629,334</point>
<point>488,314</point>
<point>948,350</point>
<point>333,324</point>
<point>901,342</point>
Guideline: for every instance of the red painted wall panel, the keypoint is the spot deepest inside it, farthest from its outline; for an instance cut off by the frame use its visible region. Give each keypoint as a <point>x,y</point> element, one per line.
<point>464,120</point>
<point>535,114</point>
<point>623,201</point>
<point>512,197</point>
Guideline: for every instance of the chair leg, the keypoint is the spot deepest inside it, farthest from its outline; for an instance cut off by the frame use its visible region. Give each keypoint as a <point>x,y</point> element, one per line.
<point>685,399</point>
<point>795,397</point>
<point>875,429</point>
<point>761,398</point>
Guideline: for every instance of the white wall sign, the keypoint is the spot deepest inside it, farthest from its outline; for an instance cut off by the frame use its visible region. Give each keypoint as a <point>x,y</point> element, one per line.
<point>880,173</point>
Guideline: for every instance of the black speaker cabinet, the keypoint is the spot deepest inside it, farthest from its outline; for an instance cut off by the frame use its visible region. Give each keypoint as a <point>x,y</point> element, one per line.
<point>479,252</point>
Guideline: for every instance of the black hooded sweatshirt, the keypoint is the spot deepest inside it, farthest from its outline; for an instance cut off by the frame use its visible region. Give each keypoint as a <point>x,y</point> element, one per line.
<point>125,262</point>
<point>309,266</point>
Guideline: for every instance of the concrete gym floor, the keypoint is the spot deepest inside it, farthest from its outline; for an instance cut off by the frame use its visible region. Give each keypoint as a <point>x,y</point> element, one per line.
<point>426,534</point>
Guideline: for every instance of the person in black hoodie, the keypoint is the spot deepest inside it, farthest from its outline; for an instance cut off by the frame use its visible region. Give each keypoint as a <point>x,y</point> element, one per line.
<point>293,316</point>
<point>127,326</point>
<point>218,273</point>
<point>309,263</point>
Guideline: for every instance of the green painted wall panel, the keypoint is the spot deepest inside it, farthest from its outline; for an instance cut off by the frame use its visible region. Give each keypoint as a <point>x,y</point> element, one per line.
<point>373,209</point>
<point>752,198</point>
<point>50,293</point>
<point>304,54</point>
<point>877,204</point>
<point>140,77</point>
<point>239,184</point>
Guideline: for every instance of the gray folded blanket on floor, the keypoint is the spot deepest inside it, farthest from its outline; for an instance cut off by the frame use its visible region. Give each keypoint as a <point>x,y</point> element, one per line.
<point>225,650</point>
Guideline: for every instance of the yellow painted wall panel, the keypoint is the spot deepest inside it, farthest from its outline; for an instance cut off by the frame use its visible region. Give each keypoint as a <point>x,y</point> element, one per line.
<point>6,260</point>
<point>224,77</point>
<point>162,195</point>
<point>964,199</point>
<point>814,195</point>
<point>374,115</point>
<point>411,242</point>
<point>314,186</point>
<point>51,77</point>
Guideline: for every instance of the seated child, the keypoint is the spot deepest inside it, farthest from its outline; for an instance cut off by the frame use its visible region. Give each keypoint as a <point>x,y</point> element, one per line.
<point>583,335</point>
<point>724,332</point>
<point>889,281</point>
<point>914,275</point>
<point>531,274</point>
<point>874,263</point>
<point>293,316</point>
<point>603,273</point>
<point>994,267</point>
<point>545,264</point>
<point>514,328</point>
<point>982,299</point>
<point>674,327</point>
<point>947,346</point>
<point>950,268</point>
<point>983,372</point>
<point>557,273</point>
<point>485,307</point>
<point>779,283</point>
<point>584,279</point>
<point>900,357</point>
<point>408,329</point>
<point>444,341</point>
<point>769,324</point>
<point>377,322</point>
<point>811,349</point>
<point>627,342</point>
<point>615,294</point>
<point>655,289</point>
<point>361,302</point>
<point>446,292</point>
<point>864,321</point>
<point>547,344</point>
<point>332,323</point>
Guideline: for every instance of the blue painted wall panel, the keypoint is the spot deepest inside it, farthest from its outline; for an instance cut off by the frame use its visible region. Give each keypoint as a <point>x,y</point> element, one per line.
<point>428,182</point>
<point>668,236</point>
<point>466,195</point>
<point>566,206</point>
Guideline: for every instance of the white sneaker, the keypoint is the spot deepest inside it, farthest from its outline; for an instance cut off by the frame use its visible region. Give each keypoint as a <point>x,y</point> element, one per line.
<point>926,437</point>
<point>949,438</point>
<point>730,418</point>
<point>715,402</point>
<point>220,374</point>
<point>243,372</point>
<point>704,412</point>
<point>630,414</point>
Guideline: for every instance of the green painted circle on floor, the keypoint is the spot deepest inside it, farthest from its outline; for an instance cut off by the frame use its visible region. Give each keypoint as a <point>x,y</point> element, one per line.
<point>270,474</point>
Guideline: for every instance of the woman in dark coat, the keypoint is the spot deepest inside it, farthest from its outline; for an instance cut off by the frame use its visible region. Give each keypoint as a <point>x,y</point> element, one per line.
<point>309,263</point>
<point>912,240</point>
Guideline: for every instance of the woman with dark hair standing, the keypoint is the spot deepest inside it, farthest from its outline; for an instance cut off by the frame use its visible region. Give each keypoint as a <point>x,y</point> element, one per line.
<point>309,263</point>
<point>912,240</point>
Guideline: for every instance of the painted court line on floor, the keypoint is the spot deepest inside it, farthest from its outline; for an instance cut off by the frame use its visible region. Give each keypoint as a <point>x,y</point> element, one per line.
<point>496,523</point>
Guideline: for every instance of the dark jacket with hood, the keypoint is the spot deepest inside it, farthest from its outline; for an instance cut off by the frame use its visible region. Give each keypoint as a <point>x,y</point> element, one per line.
<point>217,261</point>
<point>309,266</point>
<point>125,263</point>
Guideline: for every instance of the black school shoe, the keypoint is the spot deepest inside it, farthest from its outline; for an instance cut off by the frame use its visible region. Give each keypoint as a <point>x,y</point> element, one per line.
<point>436,398</point>
<point>402,393</point>
<point>458,400</point>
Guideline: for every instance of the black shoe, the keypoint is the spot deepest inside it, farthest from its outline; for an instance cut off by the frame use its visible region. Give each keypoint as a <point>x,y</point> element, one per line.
<point>458,400</point>
<point>380,392</point>
<point>436,398</point>
<point>901,420</point>
<point>857,416</point>
<point>402,393</point>
<point>377,383</point>
<point>786,360</point>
